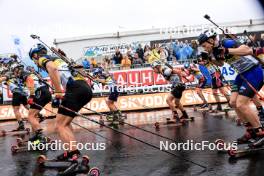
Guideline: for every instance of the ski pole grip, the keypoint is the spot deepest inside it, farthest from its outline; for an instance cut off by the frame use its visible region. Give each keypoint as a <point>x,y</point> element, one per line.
<point>206,16</point>
<point>34,36</point>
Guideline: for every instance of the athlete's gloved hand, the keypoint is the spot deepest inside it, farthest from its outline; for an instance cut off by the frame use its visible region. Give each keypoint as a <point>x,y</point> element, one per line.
<point>205,56</point>
<point>220,53</point>
<point>30,100</point>
<point>56,101</point>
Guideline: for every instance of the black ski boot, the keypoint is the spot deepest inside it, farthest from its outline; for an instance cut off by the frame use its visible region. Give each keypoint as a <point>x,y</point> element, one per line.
<point>219,107</point>
<point>248,136</point>
<point>21,125</point>
<point>259,139</point>
<point>65,156</point>
<point>36,136</point>
<point>184,115</point>
<point>261,114</point>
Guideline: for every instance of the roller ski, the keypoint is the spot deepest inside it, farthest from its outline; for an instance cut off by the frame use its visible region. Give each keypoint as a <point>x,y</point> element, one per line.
<point>185,118</point>
<point>175,121</point>
<point>205,109</point>
<point>257,134</point>
<point>224,147</point>
<point>15,131</point>
<point>68,164</point>
<point>115,118</point>
<point>20,142</point>
<point>218,109</point>
<point>31,145</point>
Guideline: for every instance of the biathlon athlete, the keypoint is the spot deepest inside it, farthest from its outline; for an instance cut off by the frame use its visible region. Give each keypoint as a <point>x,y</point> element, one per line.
<point>194,70</point>
<point>77,94</point>
<point>39,96</point>
<point>19,92</point>
<point>249,74</point>
<point>217,83</point>
<point>106,78</point>
<point>173,75</point>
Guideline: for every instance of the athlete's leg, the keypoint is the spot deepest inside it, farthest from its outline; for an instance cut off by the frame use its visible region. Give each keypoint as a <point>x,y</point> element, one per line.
<point>17,113</point>
<point>18,116</point>
<point>170,102</point>
<point>225,91</point>
<point>32,118</point>
<point>180,106</point>
<point>259,107</point>
<point>111,105</point>
<point>65,131</point>
<point>200,94</point>
<point>232,102</point>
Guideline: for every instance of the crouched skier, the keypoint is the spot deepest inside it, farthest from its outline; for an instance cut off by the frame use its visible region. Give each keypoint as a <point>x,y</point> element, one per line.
<point>18,90</point>
<point>173,75</point>
<point>77,94</point>
<point>39,96</point>
<point>106,78</point>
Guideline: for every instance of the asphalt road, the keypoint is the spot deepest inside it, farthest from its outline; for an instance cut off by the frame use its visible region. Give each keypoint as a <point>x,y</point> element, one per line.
<point>124,156</point>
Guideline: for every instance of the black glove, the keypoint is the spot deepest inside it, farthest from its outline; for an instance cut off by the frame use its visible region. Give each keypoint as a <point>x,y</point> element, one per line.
<point>220,53</point>
<point>205,56</point>
<point>56,101</point>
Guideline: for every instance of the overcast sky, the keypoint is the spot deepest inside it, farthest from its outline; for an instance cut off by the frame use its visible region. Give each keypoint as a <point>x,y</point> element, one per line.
<point>67,18</point>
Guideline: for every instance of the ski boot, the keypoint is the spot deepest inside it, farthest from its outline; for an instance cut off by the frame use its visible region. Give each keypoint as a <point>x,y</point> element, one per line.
<point>121,117</point>
<point>259,138</point>
<point>185,117</point>
<point>219,107</point>
<point>112,117</point>
<point>65,156</point>
<point>36,136</point>
<point>248,136</point>
<point>21,126</point>
<point>101,121</point>
<point>210,107</point>
<point>257,144</point>
<point>178,119</point>
<point>261,114</point>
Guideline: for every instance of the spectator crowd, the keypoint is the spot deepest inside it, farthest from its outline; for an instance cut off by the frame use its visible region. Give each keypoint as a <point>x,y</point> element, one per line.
<point>173,52</point>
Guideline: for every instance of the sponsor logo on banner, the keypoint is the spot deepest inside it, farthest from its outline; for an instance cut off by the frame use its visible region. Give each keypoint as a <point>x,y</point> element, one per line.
<point>128,103</point>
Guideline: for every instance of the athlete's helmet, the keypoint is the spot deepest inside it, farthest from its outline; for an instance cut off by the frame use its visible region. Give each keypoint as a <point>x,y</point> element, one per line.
<point>35,49</point>
<point>187,65</point>
<point>98,72</point>
<point>203,37</point>
<point>155,64</point>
